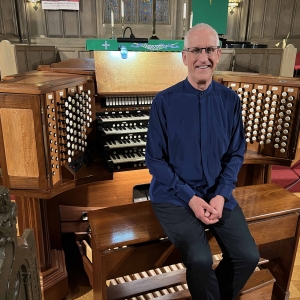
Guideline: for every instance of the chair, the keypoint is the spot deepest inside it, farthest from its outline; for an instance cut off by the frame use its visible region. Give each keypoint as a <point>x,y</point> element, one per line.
<point>297,63</point>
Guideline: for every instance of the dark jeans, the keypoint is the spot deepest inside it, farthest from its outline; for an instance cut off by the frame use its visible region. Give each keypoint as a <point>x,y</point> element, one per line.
<point>187,233</point>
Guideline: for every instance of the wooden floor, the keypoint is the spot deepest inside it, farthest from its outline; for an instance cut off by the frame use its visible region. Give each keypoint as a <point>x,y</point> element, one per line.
<point>81,290</point>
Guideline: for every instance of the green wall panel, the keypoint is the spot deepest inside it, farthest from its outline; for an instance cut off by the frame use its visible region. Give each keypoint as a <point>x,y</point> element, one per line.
<point>212,12</point>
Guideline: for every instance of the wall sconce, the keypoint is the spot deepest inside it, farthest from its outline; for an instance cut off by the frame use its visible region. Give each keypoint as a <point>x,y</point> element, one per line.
<point>34,2</point>
<point>232,6</point>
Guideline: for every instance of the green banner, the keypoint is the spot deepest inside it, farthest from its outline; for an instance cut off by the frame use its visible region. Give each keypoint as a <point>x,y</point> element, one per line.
<point>212,12</point>
<point>151,46</point>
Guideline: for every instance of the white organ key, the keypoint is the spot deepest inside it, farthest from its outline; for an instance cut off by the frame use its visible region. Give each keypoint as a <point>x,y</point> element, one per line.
<point>125,130</point>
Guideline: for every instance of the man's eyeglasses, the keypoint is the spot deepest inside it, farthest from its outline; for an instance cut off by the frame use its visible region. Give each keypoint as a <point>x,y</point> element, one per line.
<point>197,51</point>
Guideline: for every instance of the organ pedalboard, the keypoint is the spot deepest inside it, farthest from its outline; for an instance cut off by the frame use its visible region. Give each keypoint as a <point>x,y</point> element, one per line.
<point>122,126</point>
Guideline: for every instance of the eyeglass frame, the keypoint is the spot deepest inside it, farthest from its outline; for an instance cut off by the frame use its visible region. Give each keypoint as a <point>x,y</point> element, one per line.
<point>204,48</point>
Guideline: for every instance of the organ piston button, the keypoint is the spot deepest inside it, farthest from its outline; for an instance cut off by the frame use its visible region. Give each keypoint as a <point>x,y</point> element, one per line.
<point>276,146</point>
<point>282,150</point>
<point>284,137</point>
<point>254,91</point>
<point>288,112</point>
<point>290,98</point>
<point>286,125</point>
<point>284,94</point>
<point>283,144</point>
<point>283,101</point>
<point>277,140</point>
<point>289,105</point>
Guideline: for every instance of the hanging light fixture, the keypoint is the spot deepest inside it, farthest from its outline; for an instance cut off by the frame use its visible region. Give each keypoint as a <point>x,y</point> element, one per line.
<point>232,6</point>
<point>34,2</point>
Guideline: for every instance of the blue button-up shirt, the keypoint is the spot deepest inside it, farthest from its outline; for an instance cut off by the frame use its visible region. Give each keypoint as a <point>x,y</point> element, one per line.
<point>195,144</point>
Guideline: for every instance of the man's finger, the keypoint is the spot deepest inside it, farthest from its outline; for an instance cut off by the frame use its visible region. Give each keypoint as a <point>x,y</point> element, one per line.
<point>210,209</point>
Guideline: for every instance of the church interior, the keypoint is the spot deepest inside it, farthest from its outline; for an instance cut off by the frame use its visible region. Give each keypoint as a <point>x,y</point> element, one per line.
<point>77,80</point>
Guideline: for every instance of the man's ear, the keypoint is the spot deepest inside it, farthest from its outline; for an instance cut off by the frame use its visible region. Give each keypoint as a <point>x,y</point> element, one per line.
<point>219,54</point>
<point>184,58</point>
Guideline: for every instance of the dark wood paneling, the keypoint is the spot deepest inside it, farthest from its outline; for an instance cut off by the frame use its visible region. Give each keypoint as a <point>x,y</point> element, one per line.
<point>48,57</point>
<point>286,9</point>
<point>273,64</point>
<point>88,19</point>
<point>70,23</point>
<point>54,25</point>
<point>257,63</point>
<point>242,63</point>
<point>85,54</point>
<point>295,30</point>
<point>34,58</point>
<point>270,18</point>
<point>256,18</point>
<point>8,17</point>
<point>22,61</point>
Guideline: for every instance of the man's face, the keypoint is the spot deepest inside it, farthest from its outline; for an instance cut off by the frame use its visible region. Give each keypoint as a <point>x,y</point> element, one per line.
<point>201,65</point>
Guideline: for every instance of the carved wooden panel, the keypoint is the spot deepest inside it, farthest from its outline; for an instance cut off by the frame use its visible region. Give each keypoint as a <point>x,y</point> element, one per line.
<point>286,9</point>
<point>273,63</point>
<point>48,56</point>
<point>85,54</point>
<point>295,28</point>
<point>88,19</point>
<point>54,23</point>
<point>225,63</point>
<point>270,18</point>
<point>8,17</point>
<point>256,18</point>
<point>22,62</point>
<point>257,64</point>
<point>71,23</point>
<point>242,62</point>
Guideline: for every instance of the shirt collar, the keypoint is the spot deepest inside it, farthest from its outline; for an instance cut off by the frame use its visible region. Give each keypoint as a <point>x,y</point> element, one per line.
<point>190,89</point>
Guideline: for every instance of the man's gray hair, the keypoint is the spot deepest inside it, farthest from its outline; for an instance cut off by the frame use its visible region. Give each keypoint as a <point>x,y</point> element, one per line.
<point>198,27</point>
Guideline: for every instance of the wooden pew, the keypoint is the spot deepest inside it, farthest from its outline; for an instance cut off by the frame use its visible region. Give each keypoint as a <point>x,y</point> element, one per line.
<point>128,239</point>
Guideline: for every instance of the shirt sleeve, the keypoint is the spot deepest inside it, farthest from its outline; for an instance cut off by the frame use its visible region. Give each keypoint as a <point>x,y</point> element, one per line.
<point>157,155</point>
<point>234,156</point>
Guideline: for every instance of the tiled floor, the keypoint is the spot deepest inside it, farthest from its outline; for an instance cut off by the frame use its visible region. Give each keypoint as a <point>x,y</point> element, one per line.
<point>81,290</point>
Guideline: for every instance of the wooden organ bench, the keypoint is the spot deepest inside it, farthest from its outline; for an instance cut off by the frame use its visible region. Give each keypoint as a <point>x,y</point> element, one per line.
<point>127,241</point>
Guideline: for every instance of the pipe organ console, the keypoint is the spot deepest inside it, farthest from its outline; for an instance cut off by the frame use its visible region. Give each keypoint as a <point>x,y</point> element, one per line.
<point>122,124</point>
<point>66,143</point>
<point>57,121</point>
